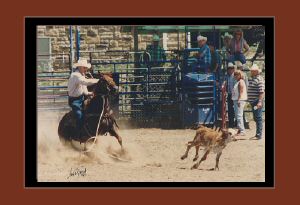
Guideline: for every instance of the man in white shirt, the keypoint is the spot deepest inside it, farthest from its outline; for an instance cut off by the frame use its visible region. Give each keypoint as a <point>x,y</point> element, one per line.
<point>77,88</point>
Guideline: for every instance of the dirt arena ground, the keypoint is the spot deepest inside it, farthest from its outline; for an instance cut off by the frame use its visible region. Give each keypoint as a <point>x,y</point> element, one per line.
<point>151,155</point>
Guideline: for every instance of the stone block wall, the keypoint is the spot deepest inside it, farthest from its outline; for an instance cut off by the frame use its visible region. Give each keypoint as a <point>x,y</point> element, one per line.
<point>101,38</point>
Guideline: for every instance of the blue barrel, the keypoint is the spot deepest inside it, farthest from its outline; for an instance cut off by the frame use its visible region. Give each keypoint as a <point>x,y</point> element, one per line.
<point>199,99</point>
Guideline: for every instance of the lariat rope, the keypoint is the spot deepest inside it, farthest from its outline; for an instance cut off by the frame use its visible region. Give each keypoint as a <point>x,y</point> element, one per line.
<point>96,135</point>
<point>98,125</point>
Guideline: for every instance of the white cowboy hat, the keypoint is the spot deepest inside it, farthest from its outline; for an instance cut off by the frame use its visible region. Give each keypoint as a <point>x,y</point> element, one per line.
<point>82,63</point>
<point>255,67</point>
<point>230,65</point>
<point>200,38</point>
<point>227,35</point>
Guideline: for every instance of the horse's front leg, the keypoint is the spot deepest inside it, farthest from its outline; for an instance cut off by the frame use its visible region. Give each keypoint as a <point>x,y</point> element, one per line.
<point>115,133</point>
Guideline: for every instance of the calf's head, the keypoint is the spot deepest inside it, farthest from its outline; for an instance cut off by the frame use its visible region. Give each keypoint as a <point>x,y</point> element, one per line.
<point>227,135</point>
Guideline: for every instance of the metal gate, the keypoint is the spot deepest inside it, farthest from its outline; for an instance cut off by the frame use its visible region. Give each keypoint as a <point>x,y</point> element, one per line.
<point>147,95</point>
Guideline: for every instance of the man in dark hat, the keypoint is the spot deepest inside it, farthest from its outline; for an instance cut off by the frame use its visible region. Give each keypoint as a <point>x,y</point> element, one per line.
<point>156,52</point>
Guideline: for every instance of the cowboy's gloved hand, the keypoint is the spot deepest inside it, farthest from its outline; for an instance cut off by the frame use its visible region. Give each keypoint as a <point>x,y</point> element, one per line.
<point>91,94</point>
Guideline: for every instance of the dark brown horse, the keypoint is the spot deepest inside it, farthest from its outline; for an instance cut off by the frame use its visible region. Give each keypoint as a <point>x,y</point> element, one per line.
<point>98,115</point>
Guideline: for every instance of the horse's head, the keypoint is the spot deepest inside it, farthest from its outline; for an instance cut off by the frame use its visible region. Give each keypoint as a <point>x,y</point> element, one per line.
<point>105,85</point>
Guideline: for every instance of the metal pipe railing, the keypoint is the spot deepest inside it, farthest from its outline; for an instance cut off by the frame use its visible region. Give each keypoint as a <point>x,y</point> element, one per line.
<point>223,112</point>
<point>117,67</point>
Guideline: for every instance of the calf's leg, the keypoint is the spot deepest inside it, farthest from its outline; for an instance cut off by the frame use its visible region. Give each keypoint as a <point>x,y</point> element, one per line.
<point>217,160</point>
<point>195,166</point>
<point>189,146</point>
<point>196,155</point>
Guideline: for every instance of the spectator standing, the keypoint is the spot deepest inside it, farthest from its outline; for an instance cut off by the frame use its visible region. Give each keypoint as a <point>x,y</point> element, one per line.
<point>156,52</point>
<point>230,81</point>
<point>256,94</point>
<point>239,97</point>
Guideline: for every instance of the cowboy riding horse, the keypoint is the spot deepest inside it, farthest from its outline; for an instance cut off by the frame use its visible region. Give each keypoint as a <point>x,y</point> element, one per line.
<point>98,115</point>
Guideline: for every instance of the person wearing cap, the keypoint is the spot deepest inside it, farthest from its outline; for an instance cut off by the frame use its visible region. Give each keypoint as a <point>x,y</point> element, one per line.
<point>256,92</point>
<point>237,46</point>
<point>156,52</point>
<point>230,81</point>
<point>239,97</point>
<point>227,40</point>
<point>204,54</point>
<point>77,89</point>
<point>226,45</point>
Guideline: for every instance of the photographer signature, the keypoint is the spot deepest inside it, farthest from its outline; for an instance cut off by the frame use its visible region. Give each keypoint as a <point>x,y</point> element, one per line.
<point>77,172</point>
